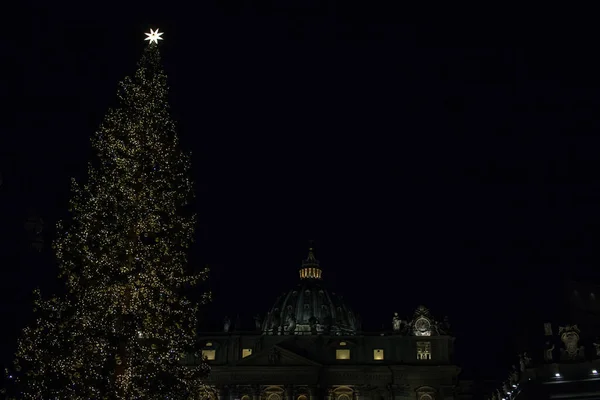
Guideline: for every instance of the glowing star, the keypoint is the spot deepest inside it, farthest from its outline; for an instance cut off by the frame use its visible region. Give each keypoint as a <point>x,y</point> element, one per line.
<point>154,36</point>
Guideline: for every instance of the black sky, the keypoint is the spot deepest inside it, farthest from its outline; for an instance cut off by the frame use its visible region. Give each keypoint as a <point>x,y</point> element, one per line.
<point>451,163</point>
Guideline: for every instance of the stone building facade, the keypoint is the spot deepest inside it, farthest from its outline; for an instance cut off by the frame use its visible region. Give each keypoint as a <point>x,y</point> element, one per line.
<point>563,361</point>
<point>311,346</point>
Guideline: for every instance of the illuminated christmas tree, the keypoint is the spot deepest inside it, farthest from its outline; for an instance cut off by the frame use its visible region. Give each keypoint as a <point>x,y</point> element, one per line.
<point>125,325</point>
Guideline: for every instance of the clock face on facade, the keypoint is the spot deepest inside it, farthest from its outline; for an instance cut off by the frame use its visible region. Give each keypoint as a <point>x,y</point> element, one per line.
<point>422,327</point>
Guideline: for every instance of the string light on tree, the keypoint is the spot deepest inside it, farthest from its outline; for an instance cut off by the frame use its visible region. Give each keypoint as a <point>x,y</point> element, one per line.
<point>154,36</point>
<point>124,325</point>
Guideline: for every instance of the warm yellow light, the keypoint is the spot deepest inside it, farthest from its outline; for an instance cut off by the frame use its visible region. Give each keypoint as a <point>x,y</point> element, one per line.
<point>246,353</point>
<point>378,354</point>
<point>342,354</point>
<point>342,343</point>
<point>209,354</point>
<point>208,344</point>
<point>423,351</point>
<point>310,273</point>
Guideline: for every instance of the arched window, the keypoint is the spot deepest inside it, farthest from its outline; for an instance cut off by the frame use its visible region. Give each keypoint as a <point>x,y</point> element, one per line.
<point>425,396</point>
<point>274,396</point>
<point>343,396</point>
<point>245,397</point>
<point>302,397</point>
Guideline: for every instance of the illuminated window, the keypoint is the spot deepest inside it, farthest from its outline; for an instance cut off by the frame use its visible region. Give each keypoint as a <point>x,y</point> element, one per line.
<point>343,397</point>
<point>209,354</point>
<point>423,350</point>
<point>378,354</point>
<point>342,343</point>
<point>342,354</point>
<point>302,397</point>
<point>208,344</point>
<point>246,353</point>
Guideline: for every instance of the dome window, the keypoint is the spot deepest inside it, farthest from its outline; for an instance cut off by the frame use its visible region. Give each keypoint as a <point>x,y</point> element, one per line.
<point>378,354</point>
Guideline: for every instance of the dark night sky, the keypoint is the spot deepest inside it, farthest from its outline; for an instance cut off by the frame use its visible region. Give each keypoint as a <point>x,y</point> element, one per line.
<point>447,163</point>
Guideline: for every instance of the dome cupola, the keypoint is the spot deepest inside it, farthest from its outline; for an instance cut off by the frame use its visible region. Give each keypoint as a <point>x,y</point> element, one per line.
<point>310,267</point>
<point>309,309</point>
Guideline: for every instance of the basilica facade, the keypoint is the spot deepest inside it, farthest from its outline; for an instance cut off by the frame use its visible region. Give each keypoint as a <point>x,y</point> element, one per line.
<point>310,346</point>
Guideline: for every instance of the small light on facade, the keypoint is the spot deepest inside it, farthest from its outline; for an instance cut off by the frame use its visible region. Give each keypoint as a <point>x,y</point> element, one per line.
<point>594,372</point>
<point>557,375</point>
<point>514,386</point>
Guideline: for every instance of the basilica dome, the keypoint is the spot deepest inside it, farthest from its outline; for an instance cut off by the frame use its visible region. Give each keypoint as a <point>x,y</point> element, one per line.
<point>309,308</point>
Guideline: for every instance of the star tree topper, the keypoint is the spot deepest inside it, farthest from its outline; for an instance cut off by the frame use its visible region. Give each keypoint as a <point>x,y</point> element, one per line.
<point>154,36</point>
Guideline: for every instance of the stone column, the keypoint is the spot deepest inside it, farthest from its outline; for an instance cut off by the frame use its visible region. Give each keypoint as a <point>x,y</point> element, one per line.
<point>222,393</point>
<point>233,392</point>
<point>390,391</point>
<point>329,394</point>
<point>289,392</point>
<point>255,392</point>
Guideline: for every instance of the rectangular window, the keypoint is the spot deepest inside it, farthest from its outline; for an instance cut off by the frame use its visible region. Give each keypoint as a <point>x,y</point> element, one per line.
<point>342,354</point>
<point>378,354</point>
<point>423,350</point>
<point>209,354</point>
<point>246,353</point>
